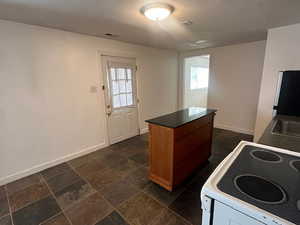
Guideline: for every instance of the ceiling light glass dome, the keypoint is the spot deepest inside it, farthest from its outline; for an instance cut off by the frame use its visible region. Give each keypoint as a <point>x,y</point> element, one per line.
<point>157,11</point>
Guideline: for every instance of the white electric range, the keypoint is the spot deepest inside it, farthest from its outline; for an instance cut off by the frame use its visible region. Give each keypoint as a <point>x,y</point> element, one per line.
<point>254,185</point>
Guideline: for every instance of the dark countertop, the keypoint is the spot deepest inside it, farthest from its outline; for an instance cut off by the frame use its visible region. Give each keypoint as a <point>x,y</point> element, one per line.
<point>278,140</point>
<point>181,117</point>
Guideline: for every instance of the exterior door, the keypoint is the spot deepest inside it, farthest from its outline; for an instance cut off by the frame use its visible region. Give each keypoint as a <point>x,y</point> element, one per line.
<point>121,97</point>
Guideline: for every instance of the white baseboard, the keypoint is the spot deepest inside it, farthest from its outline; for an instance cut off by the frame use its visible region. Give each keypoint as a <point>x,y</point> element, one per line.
<point>88,150</point>
<point>38,168</point>
<point>144,130</point>
<point>235,129</point>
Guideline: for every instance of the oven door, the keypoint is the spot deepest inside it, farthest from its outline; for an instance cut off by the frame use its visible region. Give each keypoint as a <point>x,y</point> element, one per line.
<point>225,215</point>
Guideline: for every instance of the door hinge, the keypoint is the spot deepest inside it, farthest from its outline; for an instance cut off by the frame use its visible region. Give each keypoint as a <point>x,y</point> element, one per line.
<point>136,68</point>
<point>103,87</point>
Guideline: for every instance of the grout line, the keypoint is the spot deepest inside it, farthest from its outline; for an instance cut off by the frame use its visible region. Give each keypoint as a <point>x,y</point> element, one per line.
<point>8,202</point>
<point>108,213</point>
<point>84,179</point>
<point>63,210</point>
<point>60,174</point>
<point>123,216</point>
<point>112,206</point>
<point>131,197</point>
<point>166,207</point>
<point>45,221</point>
<point>30,203</point>
<point>50,177</point>
<point>53,195</point>
<point>77,202</point>
<point>157,216</point>
<point>140,190</point>
<point>23,188</point>
<point>96,191</point>
<point>41,182</point>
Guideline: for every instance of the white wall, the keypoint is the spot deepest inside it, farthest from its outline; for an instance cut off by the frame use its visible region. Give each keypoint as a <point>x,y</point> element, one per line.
<point>47,112</point>
<point>235,75</point>
<point>282,53</point>
<point>196,97</point>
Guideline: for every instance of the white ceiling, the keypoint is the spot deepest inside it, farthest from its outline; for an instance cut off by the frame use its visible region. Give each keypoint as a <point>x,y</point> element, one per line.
<point>221,22</point>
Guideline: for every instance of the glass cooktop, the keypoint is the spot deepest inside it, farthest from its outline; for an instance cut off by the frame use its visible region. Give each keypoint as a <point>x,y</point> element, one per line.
<point>266,179</point>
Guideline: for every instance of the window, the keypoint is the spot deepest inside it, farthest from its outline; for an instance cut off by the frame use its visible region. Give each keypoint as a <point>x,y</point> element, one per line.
<point>199,77</point>
<point>121,87</point>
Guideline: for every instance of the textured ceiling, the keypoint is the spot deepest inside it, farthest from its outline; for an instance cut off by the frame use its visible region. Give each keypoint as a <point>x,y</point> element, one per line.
<point>220,22</point>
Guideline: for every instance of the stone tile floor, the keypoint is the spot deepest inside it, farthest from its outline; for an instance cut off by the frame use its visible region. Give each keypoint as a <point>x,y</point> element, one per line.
<point>109,187</point>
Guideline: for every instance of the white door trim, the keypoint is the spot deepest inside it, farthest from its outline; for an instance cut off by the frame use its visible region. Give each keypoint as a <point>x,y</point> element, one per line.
<point>131,55</point>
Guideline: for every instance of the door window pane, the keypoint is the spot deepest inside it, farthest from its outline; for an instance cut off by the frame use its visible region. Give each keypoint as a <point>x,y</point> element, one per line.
<point>116,101</point>
<point>113,73</point>
<point>121,73</point>
<point>115,88</point>
<point>199,77</point>
<point>129,74</point>
<point>122,86</point>
<point>128,86</point>
<point>123,101</point>
<point>129,99</point>
<point>121,90</point>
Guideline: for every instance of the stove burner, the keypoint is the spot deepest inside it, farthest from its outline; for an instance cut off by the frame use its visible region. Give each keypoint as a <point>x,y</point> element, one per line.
<point>295,164</point>
<point>265,156</point>
<point>260,189</point>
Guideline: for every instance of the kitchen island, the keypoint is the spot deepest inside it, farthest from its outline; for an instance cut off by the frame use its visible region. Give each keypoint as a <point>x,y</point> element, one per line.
<point>179,143</point>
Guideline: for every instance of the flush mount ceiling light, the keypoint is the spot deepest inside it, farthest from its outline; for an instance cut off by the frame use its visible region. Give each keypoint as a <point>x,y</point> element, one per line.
<point>157,11</point>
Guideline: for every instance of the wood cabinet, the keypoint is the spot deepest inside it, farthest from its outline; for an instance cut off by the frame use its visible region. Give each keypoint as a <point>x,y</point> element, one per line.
<point>175,152</point>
